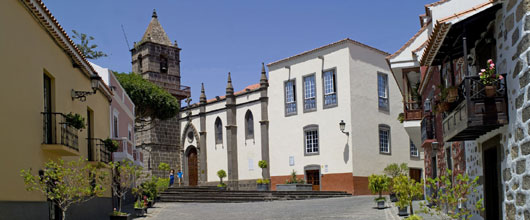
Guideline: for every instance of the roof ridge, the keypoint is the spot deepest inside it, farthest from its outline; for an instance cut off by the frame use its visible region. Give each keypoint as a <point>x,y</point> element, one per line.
<point>327,46</point>
<point>409,41</point>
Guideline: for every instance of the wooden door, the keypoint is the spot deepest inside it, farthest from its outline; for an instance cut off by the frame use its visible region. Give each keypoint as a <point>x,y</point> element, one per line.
<point>192,167</point>
<point>415,174</point>
<point>313,178</point>
<point>493,189</point>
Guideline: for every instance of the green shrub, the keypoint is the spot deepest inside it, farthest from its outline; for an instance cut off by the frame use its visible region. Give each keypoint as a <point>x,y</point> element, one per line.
<point>414,217</point>
<point>163,166</point>
<point>263,181</point>
<point>294,180</point>
<point>221,185</point>
<point>162,184</point>
<point>378,184</point>
<point>139,204</point>
<point>110,144</point>
<point>75,120</point>
<point>262,164</point>
<point>149,188</point>
<point>406,190</point>
<point>221,174</point>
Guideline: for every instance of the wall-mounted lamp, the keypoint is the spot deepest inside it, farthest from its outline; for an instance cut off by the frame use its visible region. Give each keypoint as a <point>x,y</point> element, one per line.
<point>342,126</point>
<point>427,105</point>
<point>81,95</point>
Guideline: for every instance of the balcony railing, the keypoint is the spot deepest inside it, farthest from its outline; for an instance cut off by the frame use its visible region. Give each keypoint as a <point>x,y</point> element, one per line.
<point>413,111</point>
<point>476,113</point>
<point>57,132</point>
<point>171,84</point>
<point>427,127</point>
<point>97,151</point>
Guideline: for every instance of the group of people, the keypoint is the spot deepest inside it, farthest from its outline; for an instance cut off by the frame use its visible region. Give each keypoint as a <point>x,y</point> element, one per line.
<point>172,177</point>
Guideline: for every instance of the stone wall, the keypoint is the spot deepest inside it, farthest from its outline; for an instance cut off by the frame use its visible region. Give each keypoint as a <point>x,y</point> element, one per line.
<point>513,40</point>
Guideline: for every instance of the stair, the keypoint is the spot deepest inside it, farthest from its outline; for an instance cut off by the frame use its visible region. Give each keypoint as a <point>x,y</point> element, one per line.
<point>212,194</point>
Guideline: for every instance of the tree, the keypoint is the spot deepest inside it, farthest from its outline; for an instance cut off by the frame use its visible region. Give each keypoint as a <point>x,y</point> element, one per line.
<point>124,176</point>
<point>221,174</point>
<point>451,196</point>
<point>394,170</point>
<point>378,184</point>
<point>151,102</point>
<point>87,49</point>
<point>407,189</point>
<point>67,184</point>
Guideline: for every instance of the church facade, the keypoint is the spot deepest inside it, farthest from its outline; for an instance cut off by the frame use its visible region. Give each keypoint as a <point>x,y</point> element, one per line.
<point>292,120</point>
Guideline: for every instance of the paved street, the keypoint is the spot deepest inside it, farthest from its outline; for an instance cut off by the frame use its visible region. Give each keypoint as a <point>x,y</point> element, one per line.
<point>358,207</point>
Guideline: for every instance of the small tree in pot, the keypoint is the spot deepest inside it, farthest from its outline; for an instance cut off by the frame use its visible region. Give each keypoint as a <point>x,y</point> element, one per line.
<point>394,170</point>
<point>263,184</point>
<point>221,174</point>
<point>407,189</point>
<point>378,184</point>
<point>124,176</point>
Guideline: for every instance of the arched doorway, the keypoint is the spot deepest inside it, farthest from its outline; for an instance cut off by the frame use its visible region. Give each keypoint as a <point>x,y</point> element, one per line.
<point>193,174</point>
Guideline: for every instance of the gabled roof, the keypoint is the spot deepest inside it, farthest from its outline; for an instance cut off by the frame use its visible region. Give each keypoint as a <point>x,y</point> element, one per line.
<point>409,41</point>
<point>155,33</point>
<point>347,40</point>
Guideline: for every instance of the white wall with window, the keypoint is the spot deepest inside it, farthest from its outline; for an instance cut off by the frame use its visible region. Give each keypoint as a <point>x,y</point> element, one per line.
<point>309,93</point>
<point>384,139</point>
<point>290,97</point>
<point>330,88</point>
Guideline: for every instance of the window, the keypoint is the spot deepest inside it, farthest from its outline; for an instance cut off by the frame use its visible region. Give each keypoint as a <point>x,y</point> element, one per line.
<point>290,97</point>
<point>218,131</point>
<point>163,64</point>
<point>384,139</point>
<point>382,90</point>
<point>309,93</point>
<point>449,157</point>
<point>115,126</point>
<point>311,140</point>
<point>140,62</point>
<point>249,125</point>
<point>47,90</point>
<point>129,127</point>
<point>413,150</point>
<point>330,88</point>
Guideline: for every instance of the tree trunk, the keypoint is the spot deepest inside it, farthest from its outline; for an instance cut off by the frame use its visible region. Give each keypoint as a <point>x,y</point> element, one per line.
<point>119,204</point>
<point>64,214</point>
<point>380,194</point>
<point>411,209</point>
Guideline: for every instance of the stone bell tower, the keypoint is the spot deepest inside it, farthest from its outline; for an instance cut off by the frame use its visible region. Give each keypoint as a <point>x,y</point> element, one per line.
<point>158,60</point>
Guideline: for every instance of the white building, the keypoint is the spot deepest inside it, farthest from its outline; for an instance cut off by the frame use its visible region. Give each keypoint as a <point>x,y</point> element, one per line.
<point>301,106</point>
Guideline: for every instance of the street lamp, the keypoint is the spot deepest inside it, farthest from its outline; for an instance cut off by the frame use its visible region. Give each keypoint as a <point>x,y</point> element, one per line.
<point>81,95</point>
<point>342,126</point>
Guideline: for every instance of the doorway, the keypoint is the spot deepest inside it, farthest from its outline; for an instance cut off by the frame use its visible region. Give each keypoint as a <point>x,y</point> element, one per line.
<point>492,181</point>
<point>313,178</point>
<point>415,174</point>
<point>193,175</point>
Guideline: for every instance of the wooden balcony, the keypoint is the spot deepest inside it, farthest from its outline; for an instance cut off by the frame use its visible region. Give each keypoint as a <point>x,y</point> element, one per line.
<point>413,111</point>
<point>97,151</point>
<point>475,113</point>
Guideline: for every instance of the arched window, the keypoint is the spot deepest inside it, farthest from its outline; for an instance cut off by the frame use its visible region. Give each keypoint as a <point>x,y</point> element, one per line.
<point>140,60</point>
<point>218,131</point>
<point>249,125</point>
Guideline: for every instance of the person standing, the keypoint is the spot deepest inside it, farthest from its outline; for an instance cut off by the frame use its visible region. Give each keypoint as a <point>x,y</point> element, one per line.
<point>171,177</point>
<point>179,175</point>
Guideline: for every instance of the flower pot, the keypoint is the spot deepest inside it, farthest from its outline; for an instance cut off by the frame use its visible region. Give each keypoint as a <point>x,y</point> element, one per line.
<point>403,211</point>
<point>443,107</point>
<point>120,217</point>
<point>452,94</point>
<point>490,91</point>
<point>381,204</point>
<point>393,197</point>
<point>263,187</point>
<point>139,212</point>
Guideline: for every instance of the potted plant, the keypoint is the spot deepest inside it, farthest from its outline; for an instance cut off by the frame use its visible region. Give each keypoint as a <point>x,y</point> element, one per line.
<point>452,94</point>
<point>489,78</point>
<point>75,120</point>
<point>378,184</point>
<point>401,117</point>
<point>124,176</point>
<point>263,184</point>
<point>111,145</point>
<point>294,184</point>
<point>221,174</point>
<point>394,170</point>
<point>407,189</point>
<point>140,209</point>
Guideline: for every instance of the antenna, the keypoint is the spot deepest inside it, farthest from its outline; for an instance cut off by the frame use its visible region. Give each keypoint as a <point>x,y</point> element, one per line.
<point>124,35</point>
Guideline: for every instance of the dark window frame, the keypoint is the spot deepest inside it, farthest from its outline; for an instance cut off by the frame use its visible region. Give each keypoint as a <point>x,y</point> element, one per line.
<point>295,112</point>
<point>218,127</point>
<point>387,93</point>
<point>304,92</point>
<point>335,87</point>
<point>249,125</point>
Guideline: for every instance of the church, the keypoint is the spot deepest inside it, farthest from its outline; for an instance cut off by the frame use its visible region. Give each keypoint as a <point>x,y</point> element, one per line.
<point>329,114</point>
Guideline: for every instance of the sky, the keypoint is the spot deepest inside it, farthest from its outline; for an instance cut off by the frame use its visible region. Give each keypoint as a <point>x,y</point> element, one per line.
<point>236,36</point>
